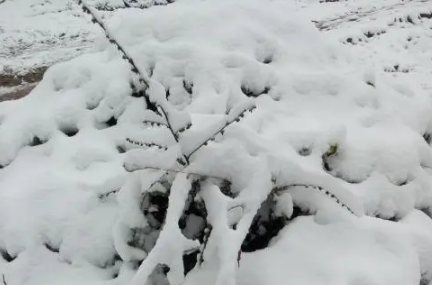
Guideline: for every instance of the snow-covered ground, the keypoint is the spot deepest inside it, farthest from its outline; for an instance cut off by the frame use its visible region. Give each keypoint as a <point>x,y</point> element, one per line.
<point>343,104</point>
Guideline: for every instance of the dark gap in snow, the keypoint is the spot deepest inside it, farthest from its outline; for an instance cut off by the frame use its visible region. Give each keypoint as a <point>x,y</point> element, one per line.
<point>111,263</point>
<point>402,182</point>
<point>193,222</point>
<point>115,275</point>
<point>143,238</point>
<point>268,59</point>
<point>121,148</point>
<point>427,137</point>
<point>424,280</point>
<point>155,205</point>
<point>260,235</point>
<point>111,122</point>
<point>425,15</point>
<point>35,141</point>
<point>369,34</point>
<point>159,275</point>
<point>138,93</point>
<point>116,260</point>
<point>190,259</point>
<point>69,131</point>
<point>298,212</point>
<point>305,151</point>
<point>167,93</point>
<point>391,219</point>
<point>6,256</point>
<point>254,93</point>
<point>265,226</point>
<point>188,86</point>
<point>410,20</point>
<point>225,187</point>
<point>427,211</point>
<point>194,218</point>
<point>52,248</point>
<point>370,83</point>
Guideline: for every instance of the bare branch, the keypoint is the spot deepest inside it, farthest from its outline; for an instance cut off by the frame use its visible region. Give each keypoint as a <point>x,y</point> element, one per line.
<point>142,79</point>
<point>185,128</point>
<point>220,131</point>
<point>183,171</point>
<point>147,144</point>
<point>154,106</point>
<point>184,160</point>
<point>126,4</point>
<point>280,189</point>
<point>154,123</point>
<point>105,195</point>
<point>4,279</point>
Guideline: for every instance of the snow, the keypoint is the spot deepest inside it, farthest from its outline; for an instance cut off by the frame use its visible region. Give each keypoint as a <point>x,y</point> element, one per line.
<point>324,126</point>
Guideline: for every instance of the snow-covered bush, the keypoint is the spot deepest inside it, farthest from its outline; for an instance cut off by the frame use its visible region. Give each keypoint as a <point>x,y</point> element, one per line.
<point>204,130</point>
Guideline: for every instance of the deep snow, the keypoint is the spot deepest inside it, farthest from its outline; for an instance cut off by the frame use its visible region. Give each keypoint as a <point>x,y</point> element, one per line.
<point>59,147</point>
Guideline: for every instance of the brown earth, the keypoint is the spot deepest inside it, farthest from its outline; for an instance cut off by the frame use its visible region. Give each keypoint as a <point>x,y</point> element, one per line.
<point>24,83</point>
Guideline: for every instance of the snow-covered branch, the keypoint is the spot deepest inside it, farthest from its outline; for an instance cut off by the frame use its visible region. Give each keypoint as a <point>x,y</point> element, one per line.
<point>230,120</point>
<point>146,144</point>
<point>156,107</point>
<point>129,5</point>
<point>280,189</point>
<point>143,80</point>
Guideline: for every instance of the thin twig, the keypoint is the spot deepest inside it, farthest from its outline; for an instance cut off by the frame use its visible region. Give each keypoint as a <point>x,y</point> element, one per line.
<point>126,4</point>
<point>280,189</point>
<point>134,68</point>
<point>165,114</point>
<point>4,279</point>
<point>220,131</point>
<point>183,171</point>
<point>151,144</point>
<point>154,106</point>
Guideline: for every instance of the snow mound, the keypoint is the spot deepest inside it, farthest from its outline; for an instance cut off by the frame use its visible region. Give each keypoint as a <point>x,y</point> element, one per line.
<point>327,134</point>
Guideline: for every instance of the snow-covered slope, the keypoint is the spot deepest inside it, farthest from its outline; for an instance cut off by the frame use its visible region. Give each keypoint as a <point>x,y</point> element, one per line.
<point>328,116</point>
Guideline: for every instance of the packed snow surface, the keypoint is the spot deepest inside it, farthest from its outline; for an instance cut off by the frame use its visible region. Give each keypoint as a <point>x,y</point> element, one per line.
<point>329,114</point>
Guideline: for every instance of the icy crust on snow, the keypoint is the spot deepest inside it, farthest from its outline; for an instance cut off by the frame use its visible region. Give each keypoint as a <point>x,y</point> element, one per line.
<point>66,196</point>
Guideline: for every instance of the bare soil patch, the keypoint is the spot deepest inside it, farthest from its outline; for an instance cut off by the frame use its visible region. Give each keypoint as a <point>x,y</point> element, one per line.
<point>22,84</point>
